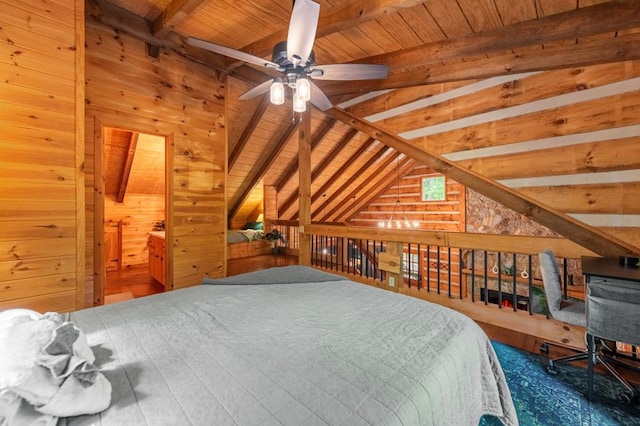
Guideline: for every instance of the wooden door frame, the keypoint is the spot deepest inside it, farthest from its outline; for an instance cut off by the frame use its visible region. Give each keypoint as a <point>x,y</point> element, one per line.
<point>99,267</point>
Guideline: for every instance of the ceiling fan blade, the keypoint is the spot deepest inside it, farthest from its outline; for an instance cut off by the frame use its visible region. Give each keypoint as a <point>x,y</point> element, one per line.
<point>319,99</point>
<point>349,72</point>
<point>232,53</point>
<point>302,30</point>
<point>258,90</point>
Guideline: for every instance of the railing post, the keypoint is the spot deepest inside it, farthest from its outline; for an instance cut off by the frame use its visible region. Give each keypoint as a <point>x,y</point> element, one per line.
<point>391,262</point>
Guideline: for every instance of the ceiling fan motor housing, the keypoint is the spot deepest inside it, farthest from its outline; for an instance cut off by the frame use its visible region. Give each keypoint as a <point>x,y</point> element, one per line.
<point>280,57</point>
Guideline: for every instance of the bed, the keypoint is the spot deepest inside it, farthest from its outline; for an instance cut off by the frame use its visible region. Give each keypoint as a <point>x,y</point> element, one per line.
<point>291,345</point>
<point>246,243</point>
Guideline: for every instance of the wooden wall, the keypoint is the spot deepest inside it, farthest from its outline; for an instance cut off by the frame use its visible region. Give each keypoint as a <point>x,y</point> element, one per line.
<point>567,138</point>
<point>447,215</point>
<point>176,98</point>
<point>41,154</point>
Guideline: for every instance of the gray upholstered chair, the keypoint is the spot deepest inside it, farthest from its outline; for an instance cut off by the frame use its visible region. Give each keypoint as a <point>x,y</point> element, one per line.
<point>572,313</point>
<point>613,313</point>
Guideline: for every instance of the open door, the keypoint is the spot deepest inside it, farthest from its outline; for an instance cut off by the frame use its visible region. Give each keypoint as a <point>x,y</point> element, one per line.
<point>130,205</point>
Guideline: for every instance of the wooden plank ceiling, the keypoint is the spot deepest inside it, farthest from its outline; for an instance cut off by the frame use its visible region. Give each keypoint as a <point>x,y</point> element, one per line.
<point>518,92</point>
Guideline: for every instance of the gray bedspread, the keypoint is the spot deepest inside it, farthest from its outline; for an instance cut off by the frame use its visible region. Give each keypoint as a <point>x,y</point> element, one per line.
<point>322,353</point>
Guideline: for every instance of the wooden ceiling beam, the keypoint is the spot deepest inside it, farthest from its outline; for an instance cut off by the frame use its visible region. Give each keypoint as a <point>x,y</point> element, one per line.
<point>248,130</point>
<point>343,169</point>
<point>572,229</point>
<point>367,197</point>
<point>339,197</point>
<point>282,142</point>
<point>616,49</point>
<point>583,22</point>
<point>321,192</point>
<point>121,20</point>
<point>292,170</point>
<point>319,168</point>
<point>347,15</point>
<point>333,154</point>
<point>127,22</point>
<point>172,15</point>
<point>128,163</point>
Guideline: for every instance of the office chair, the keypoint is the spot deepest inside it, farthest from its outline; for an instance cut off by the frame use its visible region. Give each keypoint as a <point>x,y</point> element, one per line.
<point>613,313</point>
<point>569,312</point>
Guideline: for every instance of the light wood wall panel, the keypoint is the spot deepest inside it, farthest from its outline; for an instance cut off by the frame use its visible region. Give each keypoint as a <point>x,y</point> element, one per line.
<point>567,138</point>
<point>41,154</point>
<point>173,97</point>
<point>447,215</point>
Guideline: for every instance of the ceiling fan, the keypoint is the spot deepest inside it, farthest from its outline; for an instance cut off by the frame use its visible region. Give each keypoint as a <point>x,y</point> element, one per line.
<point>295,59</point>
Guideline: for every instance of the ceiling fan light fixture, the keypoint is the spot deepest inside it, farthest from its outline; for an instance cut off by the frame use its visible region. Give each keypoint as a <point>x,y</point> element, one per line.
<point>295,59</point>
<point>303,88</point>
<point>276,92</point>
<point>299,104</point>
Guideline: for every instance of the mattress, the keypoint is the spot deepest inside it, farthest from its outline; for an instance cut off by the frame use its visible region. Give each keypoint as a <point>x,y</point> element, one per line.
<point>269,349</point>
<point>243,236</point>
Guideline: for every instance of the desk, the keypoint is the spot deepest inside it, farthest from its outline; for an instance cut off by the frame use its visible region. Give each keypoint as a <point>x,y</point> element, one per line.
<point>609,272</point>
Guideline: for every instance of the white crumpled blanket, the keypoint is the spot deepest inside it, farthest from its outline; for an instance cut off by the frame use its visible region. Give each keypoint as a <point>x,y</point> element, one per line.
<point>46,370</point>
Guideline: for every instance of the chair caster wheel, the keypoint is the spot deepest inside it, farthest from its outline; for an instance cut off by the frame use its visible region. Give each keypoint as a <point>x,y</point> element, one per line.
<point>626,397</point>
<point>544,348</point>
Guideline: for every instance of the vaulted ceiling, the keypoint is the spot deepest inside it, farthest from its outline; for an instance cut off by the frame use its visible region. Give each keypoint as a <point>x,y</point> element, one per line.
<point>467,77</point>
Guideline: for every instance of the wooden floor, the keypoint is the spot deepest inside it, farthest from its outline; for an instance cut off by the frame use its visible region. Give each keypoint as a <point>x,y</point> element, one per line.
<point>135,279</point>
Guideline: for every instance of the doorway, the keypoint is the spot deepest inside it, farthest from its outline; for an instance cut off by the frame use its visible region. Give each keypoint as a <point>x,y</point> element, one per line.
<point>134,210</point>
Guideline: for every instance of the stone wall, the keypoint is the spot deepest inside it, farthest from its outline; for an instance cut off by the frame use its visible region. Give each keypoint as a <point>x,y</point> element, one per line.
<point>485,216</point>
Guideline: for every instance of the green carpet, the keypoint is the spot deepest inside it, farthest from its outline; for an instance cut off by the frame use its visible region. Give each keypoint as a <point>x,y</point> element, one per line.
<point>546,400</point>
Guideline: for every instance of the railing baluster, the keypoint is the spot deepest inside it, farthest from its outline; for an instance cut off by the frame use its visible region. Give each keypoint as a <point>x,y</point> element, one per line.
<point>473,275</point>
<point>460,271</point>
<point>360,250</point>
<point>515,284</point>
<point>564,278</point>
<point>530,286</point>
<point>379,270</point>
<point>438,267</point>
<point>419,284</point>
<point>500,280</point>
<point>449,271</point>
<point>408,262</point>
<point>429,278</point>
<point>486,277</point>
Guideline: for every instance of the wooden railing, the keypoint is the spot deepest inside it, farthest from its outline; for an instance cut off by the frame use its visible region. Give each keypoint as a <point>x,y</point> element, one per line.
<point>477,274</point>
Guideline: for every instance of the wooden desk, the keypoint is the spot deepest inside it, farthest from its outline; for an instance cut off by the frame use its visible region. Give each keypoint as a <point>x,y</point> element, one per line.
<point>609,271</point>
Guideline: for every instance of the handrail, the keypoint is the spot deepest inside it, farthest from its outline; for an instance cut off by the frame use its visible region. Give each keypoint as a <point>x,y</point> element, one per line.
<point>492,242</point>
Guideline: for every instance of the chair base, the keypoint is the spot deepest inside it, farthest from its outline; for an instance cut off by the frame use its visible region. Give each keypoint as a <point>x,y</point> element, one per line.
<point>580,354</point>
<point>603,356</point>
<point>608,359</point>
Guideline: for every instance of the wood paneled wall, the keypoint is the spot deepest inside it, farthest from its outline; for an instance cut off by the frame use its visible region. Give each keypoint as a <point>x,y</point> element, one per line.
<point>446,215</point>
<point>41,154</point>
<point>176,98</point>
<point>567,138</point>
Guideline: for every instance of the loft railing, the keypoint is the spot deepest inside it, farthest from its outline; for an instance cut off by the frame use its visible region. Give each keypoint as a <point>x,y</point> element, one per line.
<point>507,279</point>
<point>440,262</point>
<point>479,271</point>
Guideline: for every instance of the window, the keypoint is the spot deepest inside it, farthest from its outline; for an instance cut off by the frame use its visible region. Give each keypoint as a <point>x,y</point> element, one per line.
<point>433,189</point>
<point>410,266</point>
